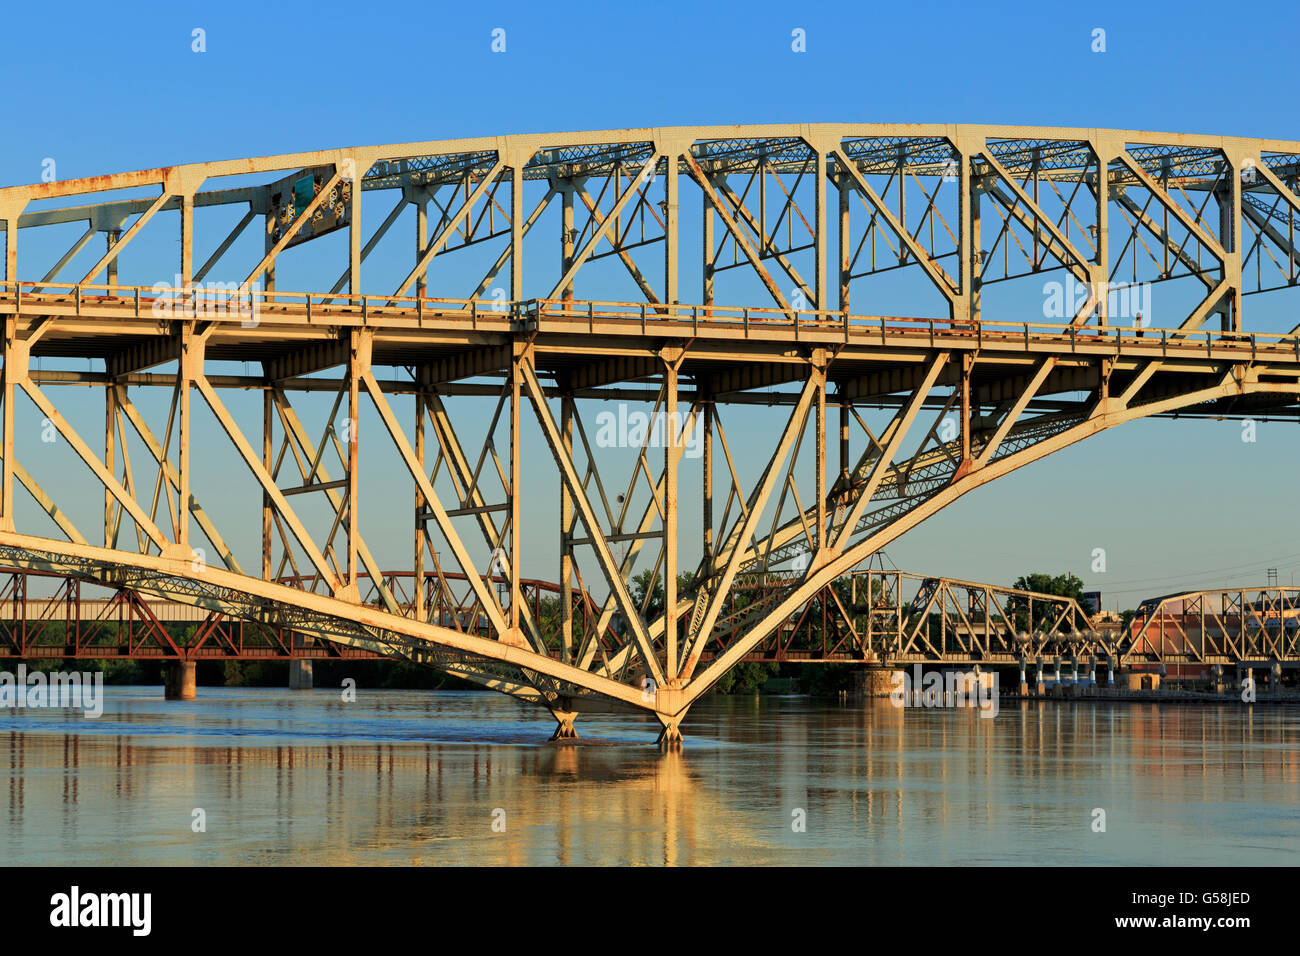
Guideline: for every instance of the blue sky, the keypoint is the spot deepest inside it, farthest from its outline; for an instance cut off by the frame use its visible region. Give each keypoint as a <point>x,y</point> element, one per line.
<point>1173,503</point>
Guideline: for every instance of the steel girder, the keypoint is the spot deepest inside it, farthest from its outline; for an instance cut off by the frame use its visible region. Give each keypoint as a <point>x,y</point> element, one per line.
<point>792,221</point>
<point>1229,626</point>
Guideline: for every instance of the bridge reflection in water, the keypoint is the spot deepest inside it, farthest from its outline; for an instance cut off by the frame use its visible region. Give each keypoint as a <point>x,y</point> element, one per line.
<point>403,777</point>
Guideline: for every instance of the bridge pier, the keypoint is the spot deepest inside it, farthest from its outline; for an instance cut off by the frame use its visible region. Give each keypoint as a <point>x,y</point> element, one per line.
<point>670,738</point>
<point>300,677</point>
<point>876,681</point>
<point>179,681</point>
<point>564,730</point>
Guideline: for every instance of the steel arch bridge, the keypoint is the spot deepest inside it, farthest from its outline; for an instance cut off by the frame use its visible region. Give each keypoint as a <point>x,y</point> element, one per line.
<point>723,267</point>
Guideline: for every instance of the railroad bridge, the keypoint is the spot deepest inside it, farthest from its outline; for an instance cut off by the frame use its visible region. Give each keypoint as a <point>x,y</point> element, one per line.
<point>875,293</point>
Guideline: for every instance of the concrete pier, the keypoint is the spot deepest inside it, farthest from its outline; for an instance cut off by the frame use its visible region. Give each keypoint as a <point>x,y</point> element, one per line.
<point>876,681</point>
<point>300,675</point>
<point>179,681</point>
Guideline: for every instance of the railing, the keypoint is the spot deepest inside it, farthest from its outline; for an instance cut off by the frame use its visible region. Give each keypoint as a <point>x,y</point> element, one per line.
<point>247,305</point>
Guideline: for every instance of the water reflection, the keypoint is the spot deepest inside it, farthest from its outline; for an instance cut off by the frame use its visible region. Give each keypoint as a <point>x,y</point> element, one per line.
<point>414,777</point>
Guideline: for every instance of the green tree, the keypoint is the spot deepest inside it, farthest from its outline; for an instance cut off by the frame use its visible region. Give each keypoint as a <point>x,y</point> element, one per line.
<point>1062,585</point>
<point>744,678</point>
<point>642,583</point>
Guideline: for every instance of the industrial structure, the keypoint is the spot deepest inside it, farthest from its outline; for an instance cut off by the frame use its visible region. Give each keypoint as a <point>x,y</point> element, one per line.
<point>695,272</point>
<point>877,617</point>
<point>883,619</point>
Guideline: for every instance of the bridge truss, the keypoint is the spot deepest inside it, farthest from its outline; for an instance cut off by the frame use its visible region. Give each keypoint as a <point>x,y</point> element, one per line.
<point>479,392</point>
<point>867,616</point>
<point>1227,626</point>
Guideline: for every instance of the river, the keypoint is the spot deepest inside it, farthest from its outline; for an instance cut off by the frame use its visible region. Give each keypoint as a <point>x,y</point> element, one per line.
<point>262,776</point>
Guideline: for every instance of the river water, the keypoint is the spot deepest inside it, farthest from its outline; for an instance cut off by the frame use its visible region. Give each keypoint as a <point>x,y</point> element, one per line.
<point>402,777</point>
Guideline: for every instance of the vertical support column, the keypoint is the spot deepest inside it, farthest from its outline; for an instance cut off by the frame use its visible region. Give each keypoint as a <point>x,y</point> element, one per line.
<point>819,240</point>
<point>268,277</point>
<point>1101,275</point>
<point>671,437</point>
<point>819,360</point>
<point>566,535</point>
<point>1229,224</point>
<point>354,233</point>
<point>266,498</point>
<point>1035,165</point>
<point>516,381</point>
<point>300,676</point>
<point>110,455</point>
<point>191,350</point>
<point>418,567</point>
<point>179,681</point>
<point>516,246</point>
<point>708,484</point>
<point>354,407</point>
<point>421,243</point>
<point>112,236</point>
<point>967,362</point>
<point>962,155</point>
<point>187,239</point>
<point>976,253</point>
<point>844,435</point>
<point>11,246</point>
<point>706,294</point>
<point>844,243</point>
<point>670,230</point>
<point>7,476</point>
<point>566,238</point>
